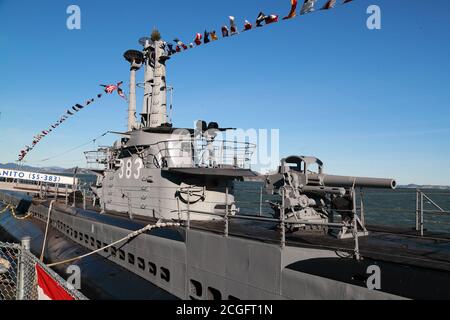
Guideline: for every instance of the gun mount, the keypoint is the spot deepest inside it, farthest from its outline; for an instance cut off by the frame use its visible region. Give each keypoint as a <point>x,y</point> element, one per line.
<point>309,199</point>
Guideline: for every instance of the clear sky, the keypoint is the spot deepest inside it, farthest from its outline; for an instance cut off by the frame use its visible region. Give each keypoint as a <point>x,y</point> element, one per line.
<point>366,102</point>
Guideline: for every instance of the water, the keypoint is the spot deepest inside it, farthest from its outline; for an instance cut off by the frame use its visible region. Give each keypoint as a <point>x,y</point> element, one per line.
<point>85,180</point>
<point>398,208</point>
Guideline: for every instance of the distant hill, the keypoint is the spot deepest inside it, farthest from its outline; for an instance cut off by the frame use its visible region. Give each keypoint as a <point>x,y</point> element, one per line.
<point>60,170</point>
<point>416,186</point>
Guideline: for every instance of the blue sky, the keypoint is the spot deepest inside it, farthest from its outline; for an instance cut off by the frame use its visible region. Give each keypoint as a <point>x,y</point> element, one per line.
<point>371,103</point>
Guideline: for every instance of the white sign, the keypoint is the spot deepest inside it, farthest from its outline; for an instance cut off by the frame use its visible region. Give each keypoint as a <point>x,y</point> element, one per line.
<point>37,176</point>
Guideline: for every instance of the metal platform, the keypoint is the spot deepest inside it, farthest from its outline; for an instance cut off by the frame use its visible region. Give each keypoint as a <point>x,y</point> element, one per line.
<point>35,188</point>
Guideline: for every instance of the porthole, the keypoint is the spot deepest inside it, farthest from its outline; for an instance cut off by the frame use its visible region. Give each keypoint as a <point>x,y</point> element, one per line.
<point>214,294</point>
<point>165,274</point>
<point>196,288</point>
<point>152,268</point>
<point>131,258</point>
<point>141,263</point>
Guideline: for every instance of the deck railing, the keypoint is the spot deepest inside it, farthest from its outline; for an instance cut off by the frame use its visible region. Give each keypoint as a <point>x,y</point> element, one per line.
<point>204,153</point>
<point>421,198</point>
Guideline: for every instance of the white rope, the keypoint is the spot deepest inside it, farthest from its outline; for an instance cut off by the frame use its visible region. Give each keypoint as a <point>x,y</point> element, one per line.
<point>130,236</point>
<point>46,230</point>
<point>5,209</point>
<point>13,212</point>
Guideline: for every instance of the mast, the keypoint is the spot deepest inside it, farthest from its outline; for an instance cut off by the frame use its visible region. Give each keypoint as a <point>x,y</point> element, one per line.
<point>154,106</point>
<point>158,109</point>
<point>135,58</point>
<point>148,81</point>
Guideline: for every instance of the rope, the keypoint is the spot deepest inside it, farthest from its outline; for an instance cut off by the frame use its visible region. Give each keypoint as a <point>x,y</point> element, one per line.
<point>13,212</point>
<point>4,209</point>
<point>75,148</point>
<point>46,229</point>
<point>128,237</point>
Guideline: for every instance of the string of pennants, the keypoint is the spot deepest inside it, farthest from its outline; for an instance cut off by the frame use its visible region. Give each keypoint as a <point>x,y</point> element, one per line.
<point>108,89</point>
<point>262,20</point>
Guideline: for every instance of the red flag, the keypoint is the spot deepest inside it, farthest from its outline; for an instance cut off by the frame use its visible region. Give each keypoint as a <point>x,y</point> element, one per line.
<point>329,5</point>
<point>293,12</point>
<point>198,39</point>
<point>48,288</point>
<point>180,44</point>
<point>109,88</point>
<point>247,25</point>
<point>271,19</point>
<point>233,27</point>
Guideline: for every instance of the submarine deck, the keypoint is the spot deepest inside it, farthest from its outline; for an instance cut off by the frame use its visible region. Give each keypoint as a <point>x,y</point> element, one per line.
<point>385,243</point>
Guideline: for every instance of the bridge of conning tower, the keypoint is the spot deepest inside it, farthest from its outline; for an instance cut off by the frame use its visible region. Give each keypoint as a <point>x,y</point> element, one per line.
<point>154,109</point>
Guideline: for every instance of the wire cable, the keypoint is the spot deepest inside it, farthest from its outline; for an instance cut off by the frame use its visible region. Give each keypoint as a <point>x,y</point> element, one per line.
<point>75,148</point>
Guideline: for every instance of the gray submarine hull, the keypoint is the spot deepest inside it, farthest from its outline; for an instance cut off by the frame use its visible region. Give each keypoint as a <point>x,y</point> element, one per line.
<point>181,263</point>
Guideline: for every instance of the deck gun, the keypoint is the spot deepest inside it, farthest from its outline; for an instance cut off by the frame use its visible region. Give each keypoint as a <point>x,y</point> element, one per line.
<point>309,199</point>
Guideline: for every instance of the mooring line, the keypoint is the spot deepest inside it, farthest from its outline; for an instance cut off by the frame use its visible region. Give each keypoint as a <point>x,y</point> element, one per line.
<point>128,237</point>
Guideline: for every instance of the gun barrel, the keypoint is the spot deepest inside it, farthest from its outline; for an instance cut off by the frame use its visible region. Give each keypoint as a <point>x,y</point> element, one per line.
<point>348,182</point>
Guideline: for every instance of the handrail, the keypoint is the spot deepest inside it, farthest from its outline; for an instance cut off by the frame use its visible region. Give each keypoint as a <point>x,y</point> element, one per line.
<point>420,211</point>
<point>433,203</point>
<point>202,151</point>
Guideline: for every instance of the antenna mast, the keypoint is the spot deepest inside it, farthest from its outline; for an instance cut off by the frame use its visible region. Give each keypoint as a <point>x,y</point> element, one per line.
<point>135,58</point>
<point>154,109</point>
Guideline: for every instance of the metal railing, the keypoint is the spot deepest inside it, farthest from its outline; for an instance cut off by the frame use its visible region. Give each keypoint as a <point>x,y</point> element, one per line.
<point>260,208</point>
<point>190,152</point>
<point>421,197</point>
<point>99,158</point>
<point>201,152</point>
<point>18,280</point>
<point>355,227</point>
